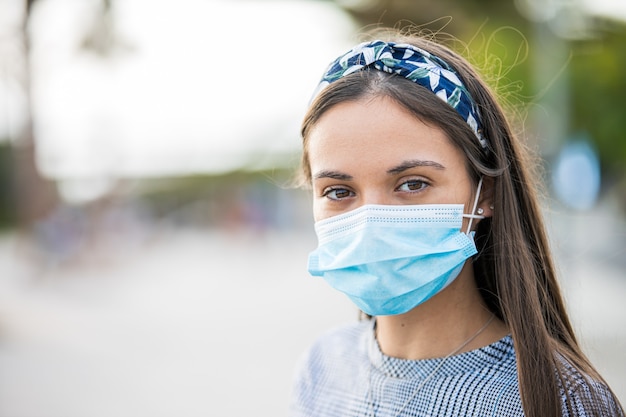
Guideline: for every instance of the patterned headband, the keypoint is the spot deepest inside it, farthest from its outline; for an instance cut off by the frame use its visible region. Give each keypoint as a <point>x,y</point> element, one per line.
<point>414,64</point>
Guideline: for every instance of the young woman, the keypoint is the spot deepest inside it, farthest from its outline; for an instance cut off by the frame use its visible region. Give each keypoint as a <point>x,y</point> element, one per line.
<point>427,219</point>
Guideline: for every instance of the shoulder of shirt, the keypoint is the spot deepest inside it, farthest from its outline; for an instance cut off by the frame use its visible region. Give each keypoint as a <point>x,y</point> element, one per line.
<point>586,393</point>
<point>328,366</point>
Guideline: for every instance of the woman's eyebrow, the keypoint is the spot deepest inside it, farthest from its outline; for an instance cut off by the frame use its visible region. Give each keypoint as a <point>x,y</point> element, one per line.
<point>414,163</point>
<point>336,175</point>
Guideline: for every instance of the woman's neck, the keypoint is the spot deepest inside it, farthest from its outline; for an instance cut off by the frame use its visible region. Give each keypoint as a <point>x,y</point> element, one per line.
<point>441,325</point>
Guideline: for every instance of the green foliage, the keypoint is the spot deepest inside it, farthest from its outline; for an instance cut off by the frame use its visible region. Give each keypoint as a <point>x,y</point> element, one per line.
<point>598,85</point>
<point>501,54</point>
<point>8,213</point>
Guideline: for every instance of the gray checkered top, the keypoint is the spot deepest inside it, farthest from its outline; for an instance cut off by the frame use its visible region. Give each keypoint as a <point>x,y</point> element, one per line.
<point>344,374</point>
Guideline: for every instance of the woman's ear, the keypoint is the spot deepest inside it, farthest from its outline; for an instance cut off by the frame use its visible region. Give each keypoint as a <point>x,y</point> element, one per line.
<point>485,201</point>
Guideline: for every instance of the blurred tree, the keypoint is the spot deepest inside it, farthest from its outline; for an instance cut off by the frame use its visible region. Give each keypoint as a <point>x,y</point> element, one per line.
<point>454,16</point>
<point>8,214</point>
<point>598,108</point>
<point>34,195</point>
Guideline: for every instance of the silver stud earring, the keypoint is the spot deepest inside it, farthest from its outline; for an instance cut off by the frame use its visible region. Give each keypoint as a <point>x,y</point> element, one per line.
<point>480,210</point>
<point>491,207</point>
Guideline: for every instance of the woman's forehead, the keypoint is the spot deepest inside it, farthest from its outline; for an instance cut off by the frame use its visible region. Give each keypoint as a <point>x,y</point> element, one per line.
<point>376,131</point>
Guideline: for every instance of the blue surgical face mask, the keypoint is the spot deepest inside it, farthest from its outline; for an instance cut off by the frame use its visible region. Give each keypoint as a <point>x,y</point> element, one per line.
<point>389,259</point>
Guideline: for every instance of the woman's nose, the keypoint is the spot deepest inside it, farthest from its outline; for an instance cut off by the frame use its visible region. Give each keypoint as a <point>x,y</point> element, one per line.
<point>377,197</point>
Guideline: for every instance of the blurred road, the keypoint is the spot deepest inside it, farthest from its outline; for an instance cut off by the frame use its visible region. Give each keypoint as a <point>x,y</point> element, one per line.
<point>211,323</point>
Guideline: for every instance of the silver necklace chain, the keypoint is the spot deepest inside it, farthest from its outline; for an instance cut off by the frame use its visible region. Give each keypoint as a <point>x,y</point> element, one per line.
<point>437,368</point>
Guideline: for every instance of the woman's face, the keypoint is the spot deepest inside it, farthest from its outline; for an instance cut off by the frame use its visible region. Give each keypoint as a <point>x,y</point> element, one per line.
<point>373,151</point>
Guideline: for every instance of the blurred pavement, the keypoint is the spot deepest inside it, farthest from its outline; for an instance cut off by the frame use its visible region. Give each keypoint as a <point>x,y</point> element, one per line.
<point>211,323</point>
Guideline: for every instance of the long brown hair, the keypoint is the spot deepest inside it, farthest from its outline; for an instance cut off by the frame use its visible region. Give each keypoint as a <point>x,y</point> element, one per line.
<point>514,269</point>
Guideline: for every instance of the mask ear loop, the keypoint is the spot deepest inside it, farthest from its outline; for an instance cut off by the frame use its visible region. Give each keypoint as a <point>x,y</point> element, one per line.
<point>473,216</point>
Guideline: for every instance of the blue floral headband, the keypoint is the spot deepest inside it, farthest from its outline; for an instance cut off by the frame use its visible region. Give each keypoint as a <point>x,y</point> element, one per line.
<point>414,64</point>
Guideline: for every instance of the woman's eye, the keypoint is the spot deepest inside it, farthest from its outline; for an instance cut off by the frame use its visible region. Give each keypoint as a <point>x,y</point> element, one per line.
<point>412,185</point>
<point>337,193</point>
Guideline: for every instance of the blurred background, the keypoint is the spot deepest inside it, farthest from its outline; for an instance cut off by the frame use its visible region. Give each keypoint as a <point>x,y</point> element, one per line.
<point>152,249</point>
